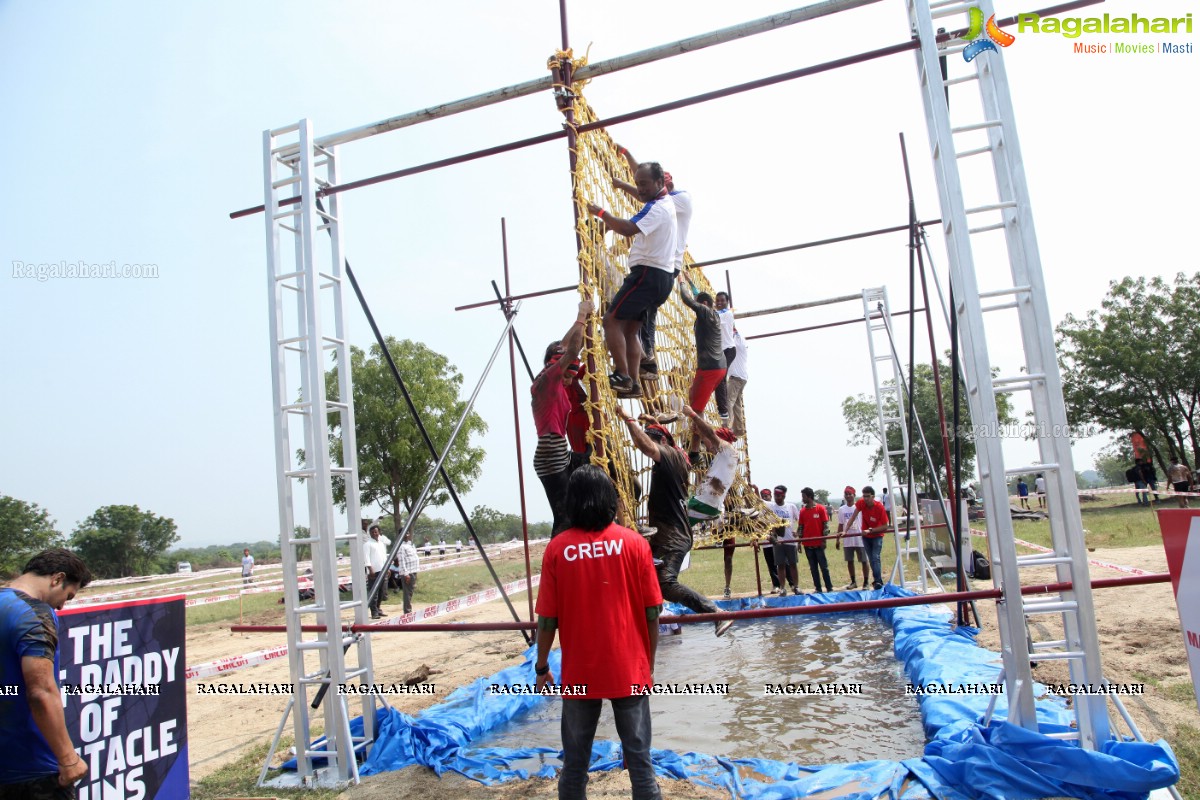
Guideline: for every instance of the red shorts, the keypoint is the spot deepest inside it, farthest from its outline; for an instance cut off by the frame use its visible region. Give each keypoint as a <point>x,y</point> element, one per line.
<point>703,385</point>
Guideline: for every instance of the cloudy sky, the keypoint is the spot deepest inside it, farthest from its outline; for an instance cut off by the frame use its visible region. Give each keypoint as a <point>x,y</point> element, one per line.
<point>132,129</point>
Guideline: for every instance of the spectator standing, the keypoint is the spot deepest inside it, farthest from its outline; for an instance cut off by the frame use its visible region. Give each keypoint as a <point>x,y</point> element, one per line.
<point>442,547</point>
<point>1023,493</point>
<point>1150,477</point>
<point>1181,480</point>
<point>814,527</point>
<point>375,557</point>
<point>247,566</point>
<point>768,547</point>
<point>409,564</point>
<point>599,592</point>
<point>874,526</point>
<point>1039,487</point>
<point>786,554</point>
<point>37,757</point>
<point>852,541</point>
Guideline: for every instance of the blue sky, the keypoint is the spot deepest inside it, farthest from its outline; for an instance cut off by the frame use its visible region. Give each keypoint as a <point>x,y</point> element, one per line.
<point>132,129</point>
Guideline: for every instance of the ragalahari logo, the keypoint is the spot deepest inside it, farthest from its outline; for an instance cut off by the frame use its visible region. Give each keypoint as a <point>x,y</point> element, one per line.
<point>991,33</point>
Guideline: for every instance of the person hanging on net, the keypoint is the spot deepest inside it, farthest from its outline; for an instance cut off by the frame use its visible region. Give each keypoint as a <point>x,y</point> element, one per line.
<point>648,370</point>
<point>709,500</point>
<point>710,358</point>
<point>651,268</point>
<point>666,510</point>
<point>552,402</point>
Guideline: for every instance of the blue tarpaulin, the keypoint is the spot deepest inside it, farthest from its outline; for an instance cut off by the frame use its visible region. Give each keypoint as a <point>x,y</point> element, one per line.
<point>962,759</point>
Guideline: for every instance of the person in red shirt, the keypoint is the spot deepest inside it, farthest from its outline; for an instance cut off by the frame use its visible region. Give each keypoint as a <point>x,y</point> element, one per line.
<point>599,590</point>
<point>814,527</point>
<point>874,526</point>
<point>552,392</point>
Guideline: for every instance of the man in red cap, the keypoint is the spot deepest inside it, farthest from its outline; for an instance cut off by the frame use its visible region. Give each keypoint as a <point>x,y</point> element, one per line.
<point>552,401</point>
<point>666,511</point>
<point>851,537</point>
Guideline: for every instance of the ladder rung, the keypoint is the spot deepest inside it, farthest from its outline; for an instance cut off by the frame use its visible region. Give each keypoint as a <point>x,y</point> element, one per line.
<point>896,452</point>
<point>1048,645</point>
<point>1032,376</point>
<point>1068,736</point>
<point>1050,607</point>
<point>1027,386</point>
<point>992,207</point>
<point>883,358</point>
<point>294,349</point>
<point>300,473</point>
<point>977,151</point>
<point>288,228</point>
<point>287,275</point>
<point>295,406</point>
<point>985,228</point>
<point>1041,560</point>
<point>285,182</point>
<point>335,405</point>
<point>306,540</point>
<point>1065,656</point>
<point>999,307</point>
<point>977,126</point>
<point>951,10</point>
<point>953,81</point>
<point>1031,468</point>
<point>340,470</point>
<point>291,212</point>
<point>332,340</point>
<point>291,340</point>
<point>1002,292</point>
<point>949,50</point>
<point>942,3</point>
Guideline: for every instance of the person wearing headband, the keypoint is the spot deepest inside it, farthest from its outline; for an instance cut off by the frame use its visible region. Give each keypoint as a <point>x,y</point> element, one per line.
<point>552,402</point>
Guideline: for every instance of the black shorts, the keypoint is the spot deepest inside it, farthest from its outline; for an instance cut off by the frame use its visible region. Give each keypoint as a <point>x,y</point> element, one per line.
<point>644,290</point>
<point>45,788</point>
<point>1181,486</point>
<point>786,555</point>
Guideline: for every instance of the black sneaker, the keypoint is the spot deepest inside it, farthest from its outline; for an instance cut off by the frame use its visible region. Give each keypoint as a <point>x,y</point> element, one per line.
<point>648,371</point>
<point>630,392</point>
<point>618,381</point>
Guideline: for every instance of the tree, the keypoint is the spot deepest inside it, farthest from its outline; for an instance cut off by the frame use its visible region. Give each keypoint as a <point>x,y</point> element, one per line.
<point>121,541</point>
<point>393,460</point>
<point>1132,365</point>
<point>25,530</point>
<point>862,419</point>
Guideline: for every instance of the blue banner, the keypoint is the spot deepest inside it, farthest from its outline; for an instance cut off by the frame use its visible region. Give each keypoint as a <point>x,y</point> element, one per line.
<point>121,677</point>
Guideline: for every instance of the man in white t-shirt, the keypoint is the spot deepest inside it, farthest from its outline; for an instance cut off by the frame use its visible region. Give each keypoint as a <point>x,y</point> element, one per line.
<point>729,347</point>
<point>375,557</point>
<point>247,566</point>
<point>736,377</point>
<point>784,538</point>
<point>648,369</point>
<point>851,537</point>
<point>651,274</point>
<point>1039,486</point>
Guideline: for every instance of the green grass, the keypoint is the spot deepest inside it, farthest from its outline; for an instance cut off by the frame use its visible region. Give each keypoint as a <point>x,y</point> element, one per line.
<point>433,586</point>
<point>1186,744</point>
<point>1108,521</point>
<point>238,780</point>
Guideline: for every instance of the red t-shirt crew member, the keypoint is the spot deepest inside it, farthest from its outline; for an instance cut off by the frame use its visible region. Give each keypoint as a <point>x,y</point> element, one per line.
<point>599,589</point>
<point>874,526</point>
<point>814,526</point>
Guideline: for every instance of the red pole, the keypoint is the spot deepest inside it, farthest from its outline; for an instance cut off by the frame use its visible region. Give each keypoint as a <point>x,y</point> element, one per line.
<point>752,613</point>
<point>512,366</point>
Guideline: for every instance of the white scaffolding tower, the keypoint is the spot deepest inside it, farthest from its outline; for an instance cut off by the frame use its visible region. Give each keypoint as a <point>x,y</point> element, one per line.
<point>305,282</point>
<point>990,111</point>
<point>882,349</point>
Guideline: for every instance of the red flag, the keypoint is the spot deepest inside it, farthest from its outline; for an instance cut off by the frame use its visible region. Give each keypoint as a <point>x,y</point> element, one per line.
<point>1140,450</point>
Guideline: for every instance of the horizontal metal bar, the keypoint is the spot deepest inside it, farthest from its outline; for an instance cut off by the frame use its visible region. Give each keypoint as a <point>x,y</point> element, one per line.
<point>1002,292</point>
<point>977,126</point>
<point>985,228</point>
<point>977,151</point>
<point>992,207</point>
<point>855,321</point>
<point>797,306</point>
<point>1031,468</point>
<point>1000,307</point>
<point>1032,376</point>
<point>817,243</point>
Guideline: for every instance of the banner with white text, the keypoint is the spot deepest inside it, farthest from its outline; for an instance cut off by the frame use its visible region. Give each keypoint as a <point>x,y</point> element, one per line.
<point>121,677</point>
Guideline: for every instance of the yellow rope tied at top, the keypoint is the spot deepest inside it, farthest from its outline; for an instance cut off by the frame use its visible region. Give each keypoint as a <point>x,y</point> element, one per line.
<point>603,266</point>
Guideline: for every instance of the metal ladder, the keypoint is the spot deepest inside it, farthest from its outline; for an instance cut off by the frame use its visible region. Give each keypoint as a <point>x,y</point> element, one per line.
<point>1009,211</point>
<point>305,281</point>
<point>877,315</point>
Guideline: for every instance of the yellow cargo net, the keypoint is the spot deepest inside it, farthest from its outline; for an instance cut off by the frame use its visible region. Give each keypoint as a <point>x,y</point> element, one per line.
<point>603,266</point>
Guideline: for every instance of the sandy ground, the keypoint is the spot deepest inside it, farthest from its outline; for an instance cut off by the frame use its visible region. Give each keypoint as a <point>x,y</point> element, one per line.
<point>1139,631</point>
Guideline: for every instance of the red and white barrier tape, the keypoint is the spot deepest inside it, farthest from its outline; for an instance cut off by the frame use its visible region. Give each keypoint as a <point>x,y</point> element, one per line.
<point>1093,561</point>
<point>232,663</point>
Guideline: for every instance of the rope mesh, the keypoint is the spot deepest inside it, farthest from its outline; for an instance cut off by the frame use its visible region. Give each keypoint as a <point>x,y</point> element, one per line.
<point>603,265</point>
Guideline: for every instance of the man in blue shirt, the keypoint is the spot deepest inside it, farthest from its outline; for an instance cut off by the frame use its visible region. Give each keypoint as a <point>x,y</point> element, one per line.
<point>37,757</point>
